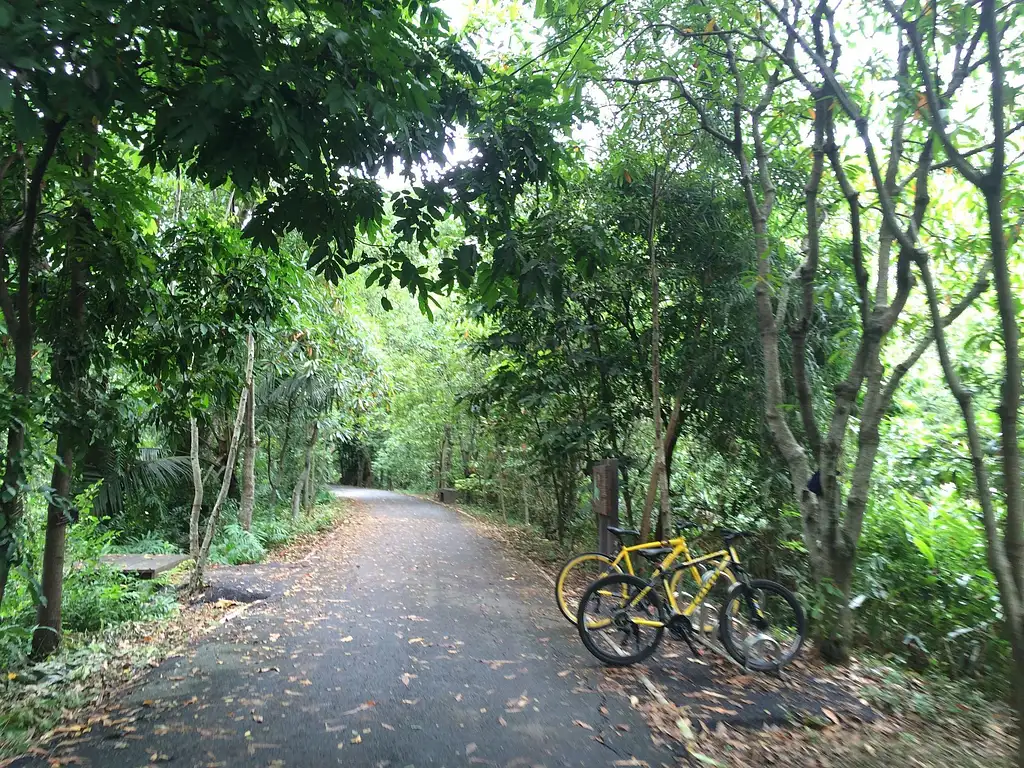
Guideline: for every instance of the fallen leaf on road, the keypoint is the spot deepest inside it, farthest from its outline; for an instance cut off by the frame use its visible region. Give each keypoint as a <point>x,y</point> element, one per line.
<point>830,715</point>
<point>387,727</point>
<point>517,705</point>
<point>581,724</point>
<point>406,677</point>
<point>347,639</point>
<point>470,748</point>
<point>362,707</point>
<point>564,672</point>
<point>719,710</point>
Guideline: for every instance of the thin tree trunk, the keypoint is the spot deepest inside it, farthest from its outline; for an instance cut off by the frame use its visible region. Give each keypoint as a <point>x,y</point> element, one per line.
<point>627,497</point>
<point>287,435</point>
<point>218,504</point>
<point>300,484</point>
<point>47,635</point>
<point>197,489</point>
<point>310,491</point>
<point>69,365</point>
<point>18,316</point>
<point>501,498</point>
<point>249,456</point>
<point>659,475</point>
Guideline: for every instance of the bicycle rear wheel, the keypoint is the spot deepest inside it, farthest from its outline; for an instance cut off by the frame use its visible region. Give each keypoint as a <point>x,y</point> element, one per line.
<point>579,572</point>
<point>607,620</point>
<point>762,625</point>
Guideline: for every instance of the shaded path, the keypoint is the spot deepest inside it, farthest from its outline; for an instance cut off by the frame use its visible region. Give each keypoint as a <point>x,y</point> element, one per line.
<point>409,640</point>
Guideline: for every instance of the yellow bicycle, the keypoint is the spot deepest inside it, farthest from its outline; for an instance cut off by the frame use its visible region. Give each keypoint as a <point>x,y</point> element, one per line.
<point>621,618</point>
<point>582,570</point>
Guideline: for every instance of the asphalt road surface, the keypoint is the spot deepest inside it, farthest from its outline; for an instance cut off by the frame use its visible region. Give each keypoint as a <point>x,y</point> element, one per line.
<point>408,640</point>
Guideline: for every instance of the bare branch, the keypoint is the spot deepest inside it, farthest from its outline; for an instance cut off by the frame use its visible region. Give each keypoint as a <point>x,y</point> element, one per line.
<point>729,143</point>
<point>997,556</point>
<point>932,95</point>
<point>808,272</point>
<point>981,284</point>
<point>843,98</point>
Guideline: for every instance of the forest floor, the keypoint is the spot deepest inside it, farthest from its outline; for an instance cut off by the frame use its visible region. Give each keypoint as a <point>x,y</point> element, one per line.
<point>413,636</point>
<point>871,714</point>
<point>44,703</point>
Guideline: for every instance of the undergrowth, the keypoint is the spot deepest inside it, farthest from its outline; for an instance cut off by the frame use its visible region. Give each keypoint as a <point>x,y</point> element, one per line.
<point>110,615</point>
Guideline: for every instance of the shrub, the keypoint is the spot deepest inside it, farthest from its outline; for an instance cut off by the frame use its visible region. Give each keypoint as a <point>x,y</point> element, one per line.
<point>272,532</point>
<point>923,580</point>
<point>234,546</point>
<point>151,543</point>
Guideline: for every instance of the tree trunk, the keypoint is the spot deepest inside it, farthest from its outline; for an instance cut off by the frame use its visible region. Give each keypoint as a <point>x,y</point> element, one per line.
<point>659,476</point>
<point>309,491</point>
<point>249,456</point>
<point>444,466</point>
<point>303,478</point>
<point>18,316</point>
<point>627,497</point>
<point>233,440</point>
<point>197,489</point>
<point>69,365</point>
<point>47,635</point>
<point>501,498</point>
<point>285,438</point>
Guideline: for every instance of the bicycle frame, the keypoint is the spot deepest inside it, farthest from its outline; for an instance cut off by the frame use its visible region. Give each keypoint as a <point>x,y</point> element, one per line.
<point>679,547</point>
<point>724,559</point>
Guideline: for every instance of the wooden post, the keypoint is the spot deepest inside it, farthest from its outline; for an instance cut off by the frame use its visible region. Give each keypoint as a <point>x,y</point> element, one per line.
<point>606,502</point>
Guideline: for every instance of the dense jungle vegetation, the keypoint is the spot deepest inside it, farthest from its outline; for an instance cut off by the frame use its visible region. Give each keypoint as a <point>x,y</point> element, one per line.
<point>251,248</point>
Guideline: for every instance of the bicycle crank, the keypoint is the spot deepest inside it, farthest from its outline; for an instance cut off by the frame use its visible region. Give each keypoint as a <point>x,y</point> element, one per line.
<point>682,629</point>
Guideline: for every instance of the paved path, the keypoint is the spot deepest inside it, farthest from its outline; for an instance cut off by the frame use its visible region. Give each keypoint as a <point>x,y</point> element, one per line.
<point>409,640</point>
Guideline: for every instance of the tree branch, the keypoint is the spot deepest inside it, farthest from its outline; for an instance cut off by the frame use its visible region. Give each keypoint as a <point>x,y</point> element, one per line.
<point>981,284</point>
<point>997,556</point>
<point>888,208</point>
<point>932,95</point>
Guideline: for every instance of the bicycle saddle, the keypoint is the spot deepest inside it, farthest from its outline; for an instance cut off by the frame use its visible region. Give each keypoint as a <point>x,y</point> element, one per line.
<point>730,535</point>
<point>654,552</point>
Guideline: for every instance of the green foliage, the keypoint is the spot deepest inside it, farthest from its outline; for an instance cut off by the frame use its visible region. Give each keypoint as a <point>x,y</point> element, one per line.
<point>930,698</point>
<point>235,546</point>
<point>96,596</point>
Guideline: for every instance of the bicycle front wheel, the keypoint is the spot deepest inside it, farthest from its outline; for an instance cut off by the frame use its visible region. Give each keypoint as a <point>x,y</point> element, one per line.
<point>576,575</point>
<point>614,625</point>
<point>762,625</point>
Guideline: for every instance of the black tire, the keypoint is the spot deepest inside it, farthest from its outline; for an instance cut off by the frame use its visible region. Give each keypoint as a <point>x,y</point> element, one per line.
<point>627,586</point>
<point>739,609</point>
<point>565,583</point>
